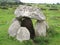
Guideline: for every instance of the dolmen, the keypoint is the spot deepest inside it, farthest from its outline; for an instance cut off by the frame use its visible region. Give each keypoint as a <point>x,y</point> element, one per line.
<point>21,32</point>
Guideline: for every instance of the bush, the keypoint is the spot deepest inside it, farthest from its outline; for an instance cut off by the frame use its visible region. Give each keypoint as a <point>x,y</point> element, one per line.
<point>53,9</point>
<point>43,8</point>
<point>48,5</point>
<point>3,7</point>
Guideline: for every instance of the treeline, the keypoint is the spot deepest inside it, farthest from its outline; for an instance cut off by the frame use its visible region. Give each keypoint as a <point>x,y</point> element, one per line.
<point>4,3</point>
<point>50,6</point>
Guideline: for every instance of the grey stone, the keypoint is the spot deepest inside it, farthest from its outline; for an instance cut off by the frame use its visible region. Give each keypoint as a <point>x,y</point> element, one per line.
<point>40,28</point>
<point>29,11</point>
<point>14,28</point>
<point>23,34</point>
<point>13,20</point>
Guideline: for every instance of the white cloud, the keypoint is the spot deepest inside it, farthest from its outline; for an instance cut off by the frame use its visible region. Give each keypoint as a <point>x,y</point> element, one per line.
<point>40,1</point>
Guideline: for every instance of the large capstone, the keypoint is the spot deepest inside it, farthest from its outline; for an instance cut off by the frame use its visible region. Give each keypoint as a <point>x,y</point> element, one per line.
<point>29,11</point>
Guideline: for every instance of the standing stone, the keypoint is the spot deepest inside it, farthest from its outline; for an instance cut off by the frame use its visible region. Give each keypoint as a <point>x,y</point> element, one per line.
<point>33,13</point>
<point>14,28</point>
<point>23,34</point>
<point>40,28</point>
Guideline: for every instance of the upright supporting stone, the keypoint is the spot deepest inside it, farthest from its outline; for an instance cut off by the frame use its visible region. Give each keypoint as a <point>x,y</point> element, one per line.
<point>40,28</point>
<point>14,28</point>
<point>23,34</point>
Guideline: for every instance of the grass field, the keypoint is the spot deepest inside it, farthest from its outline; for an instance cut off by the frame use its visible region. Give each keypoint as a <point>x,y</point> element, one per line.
<point>6,16</point>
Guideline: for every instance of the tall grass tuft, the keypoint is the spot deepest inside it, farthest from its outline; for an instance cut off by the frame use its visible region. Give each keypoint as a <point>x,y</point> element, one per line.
<point>51,32</point>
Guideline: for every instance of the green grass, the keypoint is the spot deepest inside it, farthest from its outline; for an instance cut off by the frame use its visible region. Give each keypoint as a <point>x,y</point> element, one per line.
<point>53,19</point>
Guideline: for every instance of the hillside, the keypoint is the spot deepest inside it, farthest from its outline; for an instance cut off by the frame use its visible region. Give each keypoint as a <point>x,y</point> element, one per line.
<point>52,13</point>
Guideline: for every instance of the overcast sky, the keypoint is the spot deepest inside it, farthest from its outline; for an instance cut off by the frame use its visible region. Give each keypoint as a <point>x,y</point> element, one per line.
<point>40,1</point>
